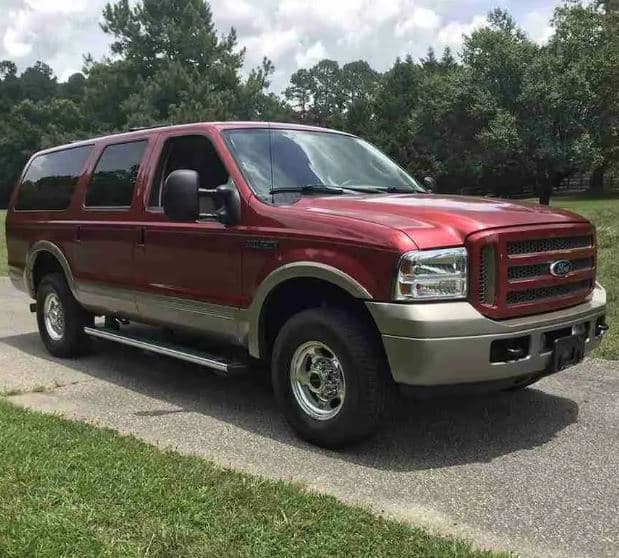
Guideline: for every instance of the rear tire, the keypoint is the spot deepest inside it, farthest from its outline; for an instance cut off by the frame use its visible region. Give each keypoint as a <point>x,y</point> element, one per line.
<point>330,377</point>
<point>60,318</point>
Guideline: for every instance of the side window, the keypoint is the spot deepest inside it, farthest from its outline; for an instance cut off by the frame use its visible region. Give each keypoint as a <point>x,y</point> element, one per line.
<point>188,153</point>
<point>114,177</point>
<point>50,180</point>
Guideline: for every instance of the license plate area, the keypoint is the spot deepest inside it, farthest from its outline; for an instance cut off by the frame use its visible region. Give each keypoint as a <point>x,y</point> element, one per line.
<point>566,352</point>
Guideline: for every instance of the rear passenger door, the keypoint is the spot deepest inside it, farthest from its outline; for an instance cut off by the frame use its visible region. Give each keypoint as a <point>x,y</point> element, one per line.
<point>108,231</point>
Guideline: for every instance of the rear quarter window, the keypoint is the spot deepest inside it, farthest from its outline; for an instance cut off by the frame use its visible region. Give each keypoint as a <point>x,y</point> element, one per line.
<point>50,180</point>
<point>113,180</point>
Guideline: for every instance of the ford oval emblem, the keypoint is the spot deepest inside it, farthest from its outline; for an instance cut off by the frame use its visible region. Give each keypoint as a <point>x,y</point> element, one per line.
<point>560,268</point>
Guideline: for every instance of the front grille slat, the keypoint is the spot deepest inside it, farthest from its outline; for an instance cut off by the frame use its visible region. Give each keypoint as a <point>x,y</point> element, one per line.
<point>516,272</point>
<point>532,295</point>
<point>487,275</point>
<point>518,247</point>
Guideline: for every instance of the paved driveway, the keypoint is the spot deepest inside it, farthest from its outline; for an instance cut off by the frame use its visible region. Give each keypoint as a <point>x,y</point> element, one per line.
<point>536,472</point>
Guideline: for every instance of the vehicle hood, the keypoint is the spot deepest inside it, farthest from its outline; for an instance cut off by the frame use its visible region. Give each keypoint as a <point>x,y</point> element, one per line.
<point>437,220</point>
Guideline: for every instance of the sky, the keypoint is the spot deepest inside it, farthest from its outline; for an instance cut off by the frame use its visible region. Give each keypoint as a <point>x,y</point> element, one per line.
<point>292,33</point>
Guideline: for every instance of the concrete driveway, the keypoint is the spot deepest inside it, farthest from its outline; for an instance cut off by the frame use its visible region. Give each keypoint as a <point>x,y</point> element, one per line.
<point>536,472</point>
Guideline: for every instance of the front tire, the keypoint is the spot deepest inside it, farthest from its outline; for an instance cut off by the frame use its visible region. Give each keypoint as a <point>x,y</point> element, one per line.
<point>330,377</point>
<point>60,318</point>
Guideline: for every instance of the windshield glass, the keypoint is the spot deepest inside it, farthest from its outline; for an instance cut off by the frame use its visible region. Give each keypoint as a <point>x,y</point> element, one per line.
<point>272,159</point>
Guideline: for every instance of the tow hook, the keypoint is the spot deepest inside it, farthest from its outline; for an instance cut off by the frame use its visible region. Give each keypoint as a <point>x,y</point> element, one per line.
<point>601,329</point>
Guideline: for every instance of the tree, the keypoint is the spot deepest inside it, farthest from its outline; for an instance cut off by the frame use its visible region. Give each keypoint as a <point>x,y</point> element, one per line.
<point>10,90</point>
<point>396,99</point>
<point>300,92</point>
<point>586,40</point>
<point>174,67</point>
<point>38,82</point>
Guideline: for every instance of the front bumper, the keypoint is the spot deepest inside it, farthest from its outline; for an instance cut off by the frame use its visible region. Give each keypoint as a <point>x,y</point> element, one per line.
<point>440,344</point>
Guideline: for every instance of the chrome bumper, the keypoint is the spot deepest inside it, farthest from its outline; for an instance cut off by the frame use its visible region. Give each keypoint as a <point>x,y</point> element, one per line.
<point>449,343</point>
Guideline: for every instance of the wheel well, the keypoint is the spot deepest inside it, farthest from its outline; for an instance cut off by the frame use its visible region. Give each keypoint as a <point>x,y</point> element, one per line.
<point>295,295</point>
<point>44,264</point>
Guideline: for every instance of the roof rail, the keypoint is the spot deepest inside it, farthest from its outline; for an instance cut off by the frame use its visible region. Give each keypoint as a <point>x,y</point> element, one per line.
<point>140,128</point>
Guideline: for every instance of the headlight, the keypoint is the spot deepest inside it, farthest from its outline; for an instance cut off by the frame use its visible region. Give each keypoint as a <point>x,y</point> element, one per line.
<point>432,275</point>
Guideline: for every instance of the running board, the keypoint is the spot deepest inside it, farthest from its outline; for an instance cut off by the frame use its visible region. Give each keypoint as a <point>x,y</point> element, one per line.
<point>217,363</point>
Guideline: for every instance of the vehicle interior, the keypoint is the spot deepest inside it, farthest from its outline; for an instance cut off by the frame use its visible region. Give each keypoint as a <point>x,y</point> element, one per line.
<point>189,153</point>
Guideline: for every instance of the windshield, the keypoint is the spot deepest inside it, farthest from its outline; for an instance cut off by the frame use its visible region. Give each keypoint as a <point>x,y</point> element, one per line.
<point>271,159</point>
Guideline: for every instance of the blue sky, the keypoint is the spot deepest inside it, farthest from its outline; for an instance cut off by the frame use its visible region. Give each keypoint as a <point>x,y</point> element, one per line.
<point>293,33</point>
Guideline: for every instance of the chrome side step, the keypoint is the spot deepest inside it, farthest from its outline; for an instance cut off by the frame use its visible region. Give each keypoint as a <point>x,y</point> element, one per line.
<point>219,364</point>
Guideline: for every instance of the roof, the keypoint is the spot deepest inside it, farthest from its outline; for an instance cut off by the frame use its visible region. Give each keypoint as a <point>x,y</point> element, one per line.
<point>139,133</point>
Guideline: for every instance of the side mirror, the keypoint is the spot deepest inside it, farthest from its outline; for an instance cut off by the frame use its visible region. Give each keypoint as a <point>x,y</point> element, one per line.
<point>429,183</point>
<point>230,214</point>
<point>180,196</point>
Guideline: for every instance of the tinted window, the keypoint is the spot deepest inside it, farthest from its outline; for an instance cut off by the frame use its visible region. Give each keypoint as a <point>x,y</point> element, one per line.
<point>190,153</point>
<point>50,179</point>
<point>113,180</point>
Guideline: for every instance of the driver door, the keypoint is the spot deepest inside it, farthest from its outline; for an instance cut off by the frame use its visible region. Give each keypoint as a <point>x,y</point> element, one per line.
<point>189,274</point>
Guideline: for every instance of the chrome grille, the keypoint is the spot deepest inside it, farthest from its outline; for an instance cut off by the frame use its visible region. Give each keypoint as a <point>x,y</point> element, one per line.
<point>537,245</point>
<point>531,295</point>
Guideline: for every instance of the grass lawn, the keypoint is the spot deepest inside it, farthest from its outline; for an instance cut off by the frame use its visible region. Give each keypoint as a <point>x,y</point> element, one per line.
<point>604,213</point>
<point>70,489</point>
<point>3,263</point>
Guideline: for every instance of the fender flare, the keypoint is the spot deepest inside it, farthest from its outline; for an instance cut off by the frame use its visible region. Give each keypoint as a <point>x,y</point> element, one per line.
<point>296,270</point>
<point>54,250</point>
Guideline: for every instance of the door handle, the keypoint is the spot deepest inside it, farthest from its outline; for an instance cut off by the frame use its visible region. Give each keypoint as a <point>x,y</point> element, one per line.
<point>141,236</point>
<point>78,234</point>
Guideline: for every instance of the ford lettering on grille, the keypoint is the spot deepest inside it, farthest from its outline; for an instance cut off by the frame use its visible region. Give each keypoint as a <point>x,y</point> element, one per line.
<point>560,268</point>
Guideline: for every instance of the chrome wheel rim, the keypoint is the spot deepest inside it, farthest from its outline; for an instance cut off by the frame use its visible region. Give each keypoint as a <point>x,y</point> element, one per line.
<point>53,316</point>
<point>317,380</point>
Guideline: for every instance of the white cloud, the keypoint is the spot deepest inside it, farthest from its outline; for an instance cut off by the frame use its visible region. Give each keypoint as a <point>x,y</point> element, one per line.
<point>293,33</point>
<point>238,13</point>
<point>272,44</point>
<point>312,55</point>
<point>57,6</point>
<point>420,18</point>
<point>451,35</point>
<point>14,40</point>
<point>537,24</point>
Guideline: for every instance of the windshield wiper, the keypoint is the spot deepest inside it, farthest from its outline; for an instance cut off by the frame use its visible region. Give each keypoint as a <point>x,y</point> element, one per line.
<point>380,189</point>
<point>309,189</point>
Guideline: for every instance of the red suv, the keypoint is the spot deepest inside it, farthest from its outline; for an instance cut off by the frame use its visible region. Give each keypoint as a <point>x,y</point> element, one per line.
<point>307,249</point>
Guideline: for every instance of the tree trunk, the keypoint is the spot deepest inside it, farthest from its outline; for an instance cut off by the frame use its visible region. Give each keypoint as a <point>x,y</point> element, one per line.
<point>545,192</point>
<point>596,183</point>
<point>547,187</point>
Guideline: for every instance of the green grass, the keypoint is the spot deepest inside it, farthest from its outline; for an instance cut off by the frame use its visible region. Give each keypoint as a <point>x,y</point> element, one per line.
<point>604,213</point>
<point>3,263</point>
<point>69,489</point>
